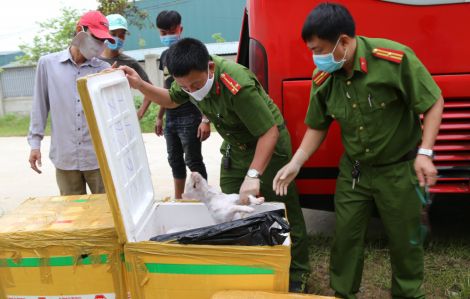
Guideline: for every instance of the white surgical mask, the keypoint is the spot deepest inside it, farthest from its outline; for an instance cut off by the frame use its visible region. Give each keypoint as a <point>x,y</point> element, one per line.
<point>327,63</point>
<point>88,46</point>
<point>198,95</point>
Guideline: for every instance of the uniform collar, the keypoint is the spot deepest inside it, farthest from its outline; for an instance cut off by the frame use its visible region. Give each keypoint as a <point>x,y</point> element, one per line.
<point>360,62</point>
<point>66,55</point>
<point>217,73</point>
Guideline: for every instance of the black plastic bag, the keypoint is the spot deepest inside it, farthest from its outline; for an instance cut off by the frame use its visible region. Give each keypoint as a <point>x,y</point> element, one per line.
<point>256,230</point>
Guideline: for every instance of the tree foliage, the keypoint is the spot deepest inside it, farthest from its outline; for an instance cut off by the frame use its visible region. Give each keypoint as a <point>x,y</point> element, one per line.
<point>218,37</point>
<point>55,35</point>
<point>142,42</point>
<point>128,9</point>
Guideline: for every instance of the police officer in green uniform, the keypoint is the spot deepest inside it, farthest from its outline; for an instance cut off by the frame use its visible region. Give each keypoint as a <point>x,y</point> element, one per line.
<point>376,90</point>
<point>256,142</point>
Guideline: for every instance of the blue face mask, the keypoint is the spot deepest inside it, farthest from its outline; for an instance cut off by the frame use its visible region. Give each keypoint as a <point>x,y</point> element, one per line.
<point>117,45</point>
<point>327,63</point>
<point>169,40</point>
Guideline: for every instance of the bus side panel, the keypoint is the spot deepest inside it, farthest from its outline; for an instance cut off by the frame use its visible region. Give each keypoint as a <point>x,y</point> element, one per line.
<point>318,175</point>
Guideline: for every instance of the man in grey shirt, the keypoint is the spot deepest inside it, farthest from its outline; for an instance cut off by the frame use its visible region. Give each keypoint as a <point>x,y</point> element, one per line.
<point>55,90</point>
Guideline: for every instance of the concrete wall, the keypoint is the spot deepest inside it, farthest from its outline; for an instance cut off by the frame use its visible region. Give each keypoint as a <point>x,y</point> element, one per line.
<point>23,105</point>
<point>19,105</point>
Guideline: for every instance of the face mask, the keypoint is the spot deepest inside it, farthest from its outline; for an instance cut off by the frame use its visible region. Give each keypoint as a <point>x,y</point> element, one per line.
<point>169,40</point>
<point>327,63</point>
<point>119,43</point>
<point>198,95</point>
<point>88,46</point>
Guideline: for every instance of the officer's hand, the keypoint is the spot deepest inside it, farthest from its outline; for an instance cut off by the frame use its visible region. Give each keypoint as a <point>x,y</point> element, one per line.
<point>425,167</point>
<point>33,157</point>
<point>159,127</point>
<point>134,79</point>
<point>284,177</point>
<point>249,187</point>
<point>204,131</point>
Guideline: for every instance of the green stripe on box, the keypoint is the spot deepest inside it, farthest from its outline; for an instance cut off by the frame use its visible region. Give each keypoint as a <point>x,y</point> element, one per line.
<point>205,269</point>
<point>55,261</point>
<point>77,200</point>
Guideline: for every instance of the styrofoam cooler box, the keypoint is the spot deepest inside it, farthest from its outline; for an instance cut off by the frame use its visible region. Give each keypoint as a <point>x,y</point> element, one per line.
<point>162,270</point>
<point>61,247</point>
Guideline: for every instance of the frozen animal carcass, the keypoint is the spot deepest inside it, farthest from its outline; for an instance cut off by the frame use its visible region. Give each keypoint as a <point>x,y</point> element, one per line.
<point>162,270</point>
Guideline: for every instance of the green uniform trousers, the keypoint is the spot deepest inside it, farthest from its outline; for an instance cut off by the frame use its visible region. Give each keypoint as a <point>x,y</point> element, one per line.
<point>231,181</point>
<point>392,189</point>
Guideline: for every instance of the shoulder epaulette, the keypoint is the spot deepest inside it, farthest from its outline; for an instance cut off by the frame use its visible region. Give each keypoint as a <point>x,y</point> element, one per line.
<point>320,77</point>
<point>231,84</point>
<point>392,55</point>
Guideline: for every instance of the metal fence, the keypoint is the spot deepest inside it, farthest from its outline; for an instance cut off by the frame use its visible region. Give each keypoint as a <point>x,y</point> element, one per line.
<point>18,81</point>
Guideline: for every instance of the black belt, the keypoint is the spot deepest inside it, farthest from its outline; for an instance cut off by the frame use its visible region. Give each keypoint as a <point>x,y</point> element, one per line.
<point>254,143</point>
<point>407,157</point>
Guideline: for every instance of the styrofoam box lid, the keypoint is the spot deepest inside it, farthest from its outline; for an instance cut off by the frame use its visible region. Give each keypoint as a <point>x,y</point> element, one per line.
<point>119,128</point>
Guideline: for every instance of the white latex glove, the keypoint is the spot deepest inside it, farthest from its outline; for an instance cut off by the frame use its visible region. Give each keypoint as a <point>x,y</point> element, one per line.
<point>288,173</point>
<point>249,187</point>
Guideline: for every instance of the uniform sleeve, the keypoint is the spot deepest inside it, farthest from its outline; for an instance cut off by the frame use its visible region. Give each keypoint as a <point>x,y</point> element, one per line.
<point>253,110</point>
<point>316,117</point>
<point>419,89</point>
<point>178,95</point>
<point>40,108</point>
<point>140,70</point>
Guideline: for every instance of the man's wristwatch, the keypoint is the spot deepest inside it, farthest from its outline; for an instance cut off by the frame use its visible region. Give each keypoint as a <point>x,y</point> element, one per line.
<point>426,152</point>
<point>253,173</point>
<point>205,120</point>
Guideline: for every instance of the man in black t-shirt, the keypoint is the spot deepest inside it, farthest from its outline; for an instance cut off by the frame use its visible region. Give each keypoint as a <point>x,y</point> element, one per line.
<point>185,127</point>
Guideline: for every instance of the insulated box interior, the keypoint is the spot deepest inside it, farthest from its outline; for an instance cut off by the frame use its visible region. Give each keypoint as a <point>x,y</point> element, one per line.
<point>61,247</point>
<point>157,269</point>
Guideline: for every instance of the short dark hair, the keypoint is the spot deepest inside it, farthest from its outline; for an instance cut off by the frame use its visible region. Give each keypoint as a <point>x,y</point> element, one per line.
<point>328,21</point>
<point>85,28</point>
<point>186,55</point>
<point>167,19</point>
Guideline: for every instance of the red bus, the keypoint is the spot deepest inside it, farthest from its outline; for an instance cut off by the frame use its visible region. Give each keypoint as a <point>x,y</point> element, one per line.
<point>272,47</point>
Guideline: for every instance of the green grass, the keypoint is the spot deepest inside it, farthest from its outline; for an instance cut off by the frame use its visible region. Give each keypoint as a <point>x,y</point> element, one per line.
<point>14,125</point>
<point>147,123</point>
<point>446,269</point>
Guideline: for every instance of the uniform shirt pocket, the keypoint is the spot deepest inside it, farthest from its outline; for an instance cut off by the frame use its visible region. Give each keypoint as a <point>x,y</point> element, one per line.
<point>338,113</point>
<point>383,107</point>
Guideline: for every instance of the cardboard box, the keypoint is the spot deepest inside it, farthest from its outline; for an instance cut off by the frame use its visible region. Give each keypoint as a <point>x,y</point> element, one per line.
<point>61,247</point>
<point>162,270</point>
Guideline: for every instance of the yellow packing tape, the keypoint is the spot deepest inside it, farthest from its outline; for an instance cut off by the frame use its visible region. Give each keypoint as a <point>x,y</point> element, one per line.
<point>263,295</point>
<point>49,243</point>
<point>161,269</point>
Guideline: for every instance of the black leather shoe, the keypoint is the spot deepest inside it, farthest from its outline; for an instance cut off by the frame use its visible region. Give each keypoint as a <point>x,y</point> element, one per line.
<point>296,287</point>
